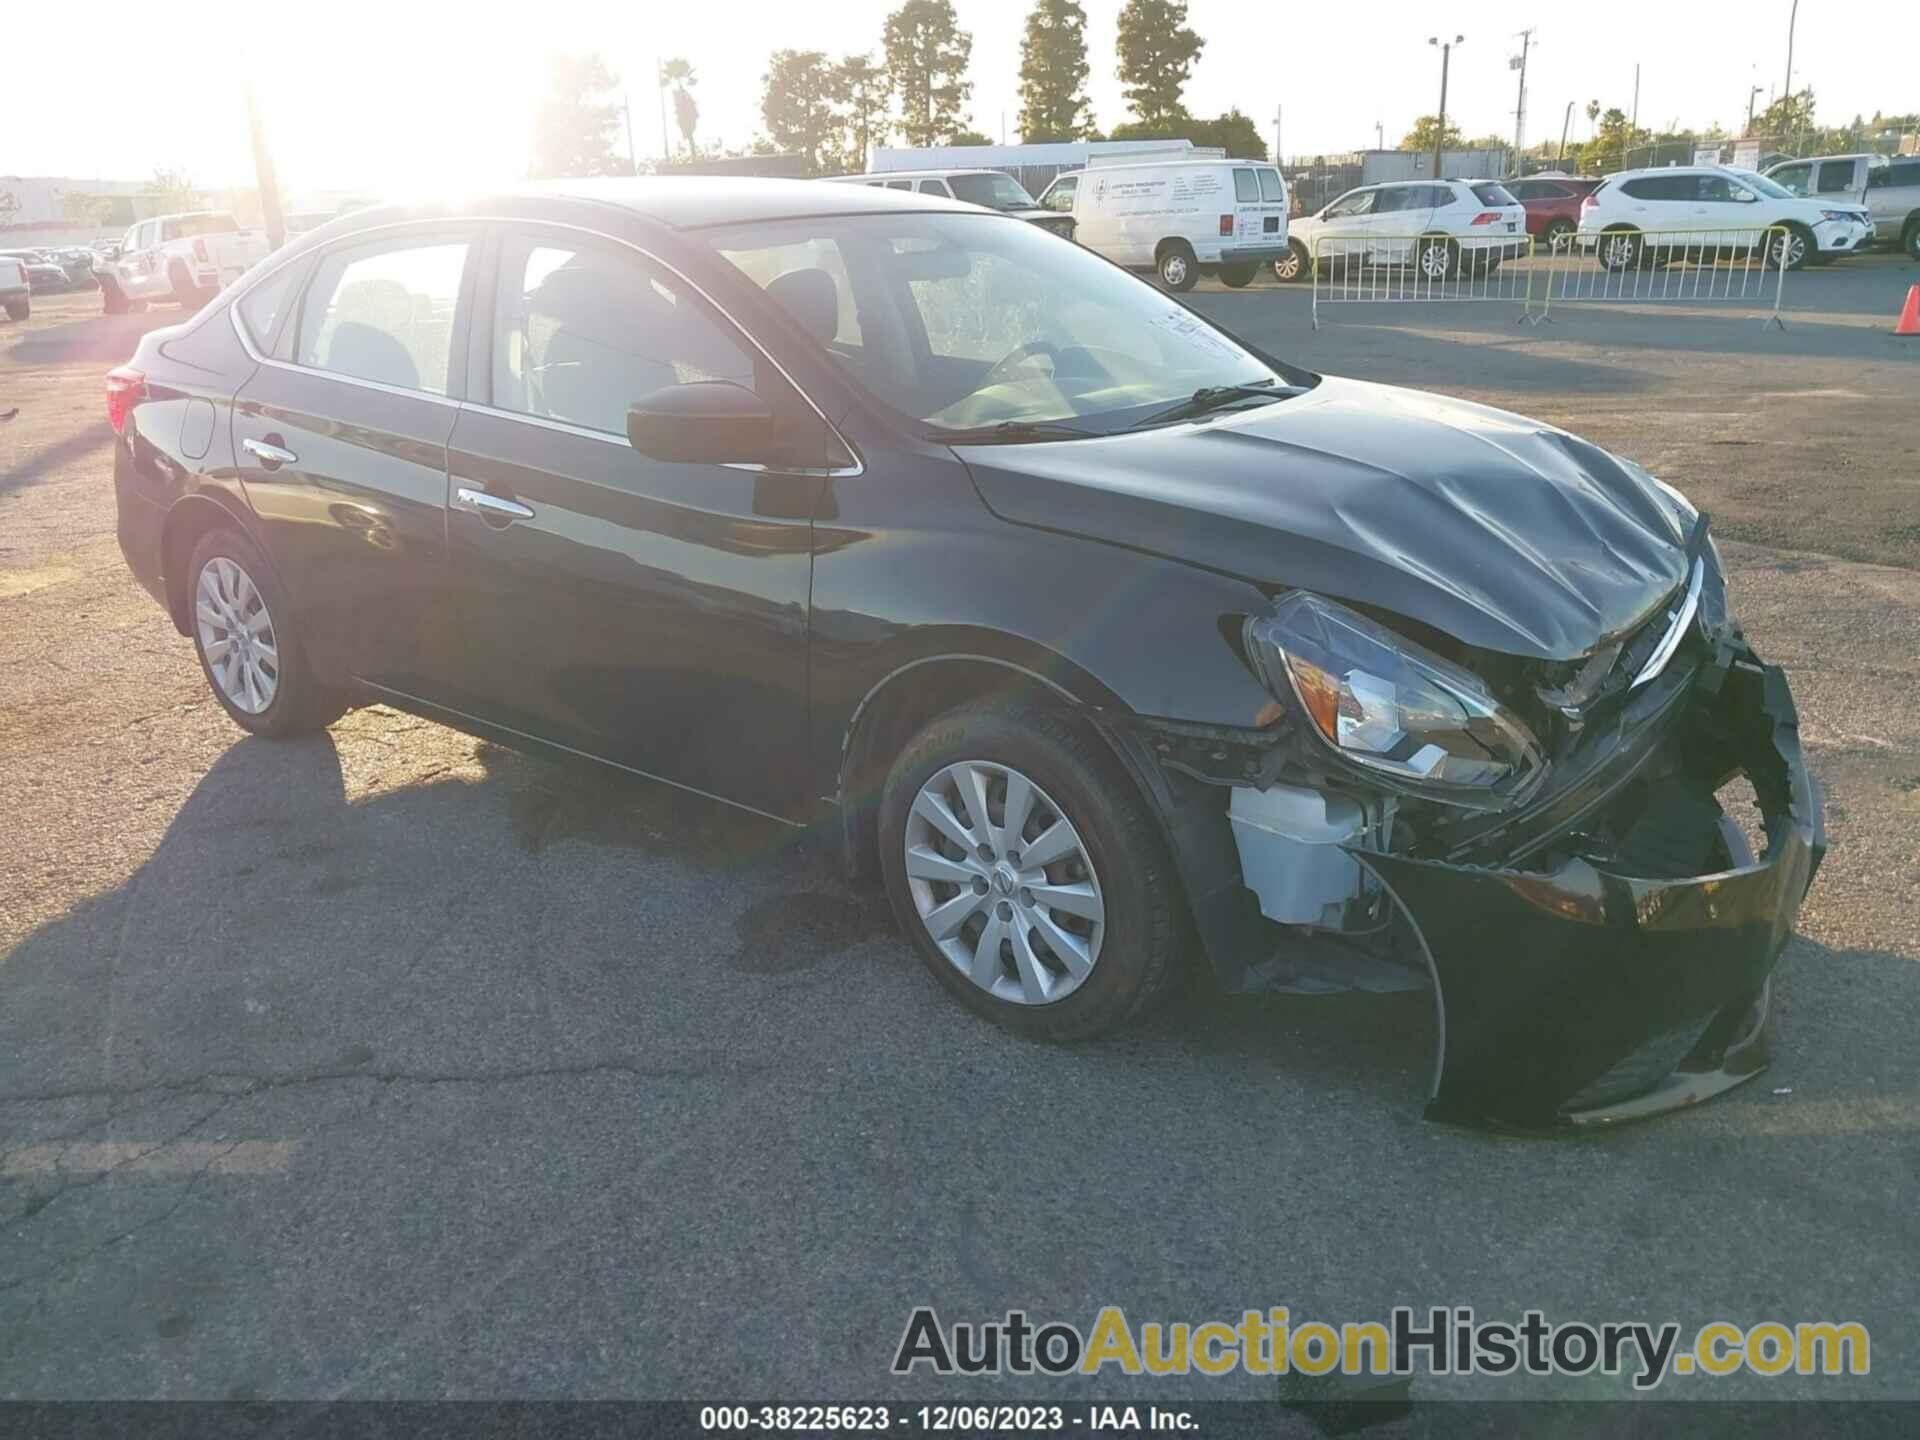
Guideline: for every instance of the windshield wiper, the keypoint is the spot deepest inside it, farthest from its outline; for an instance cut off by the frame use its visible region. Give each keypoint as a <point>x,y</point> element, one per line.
<point>1213,397</point>
<point>1014,431</point>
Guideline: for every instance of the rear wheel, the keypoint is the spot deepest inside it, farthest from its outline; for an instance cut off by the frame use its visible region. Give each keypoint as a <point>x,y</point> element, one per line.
<point>20,309</point>
<point>186,294</point>
<point>1027,868</point>
<point>246,636</point>
<point>112,298</point>
<point>1910,241</point>
<point>1618,250</point>
<point>1558,235</point>
<point>1177,267</point>
<point>1238,276</point>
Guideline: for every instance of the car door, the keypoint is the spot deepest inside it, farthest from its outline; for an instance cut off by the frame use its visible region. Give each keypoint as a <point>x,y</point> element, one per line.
<point>1399,216</point>
<point>341,440</point>
<point>1340,230</point>
<point>141,263</point>
<point>1060,194</point>
<point>1796,178</point>
<point>647,612</point>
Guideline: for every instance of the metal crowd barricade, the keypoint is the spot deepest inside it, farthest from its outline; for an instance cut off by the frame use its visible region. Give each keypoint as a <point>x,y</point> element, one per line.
<point>1683,265</point>
<point>1374,269</point>
<point>1691,265</point>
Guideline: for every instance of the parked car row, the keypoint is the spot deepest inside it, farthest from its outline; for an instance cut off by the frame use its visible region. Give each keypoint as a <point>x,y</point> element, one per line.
<point>185,258</point>
<point>50,270</point>
<point>16,292</point>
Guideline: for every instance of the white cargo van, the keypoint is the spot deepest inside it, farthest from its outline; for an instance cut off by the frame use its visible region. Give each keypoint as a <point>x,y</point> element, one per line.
<point>1184,218</point>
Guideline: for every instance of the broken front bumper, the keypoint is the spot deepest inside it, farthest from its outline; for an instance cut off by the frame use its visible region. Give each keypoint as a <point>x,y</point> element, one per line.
<point>1581,995</point>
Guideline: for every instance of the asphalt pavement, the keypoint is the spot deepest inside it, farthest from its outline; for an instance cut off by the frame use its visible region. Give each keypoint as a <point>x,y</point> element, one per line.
<point>393,1064</point>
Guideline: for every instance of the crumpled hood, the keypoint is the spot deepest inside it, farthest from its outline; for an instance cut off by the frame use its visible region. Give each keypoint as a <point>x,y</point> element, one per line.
<point>1501,531</point>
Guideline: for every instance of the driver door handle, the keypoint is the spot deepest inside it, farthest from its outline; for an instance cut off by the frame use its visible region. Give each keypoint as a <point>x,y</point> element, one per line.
<point>489,506</point>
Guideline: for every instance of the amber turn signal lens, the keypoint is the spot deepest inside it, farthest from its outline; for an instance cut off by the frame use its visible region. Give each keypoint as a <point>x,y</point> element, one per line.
<point>1320,693</point>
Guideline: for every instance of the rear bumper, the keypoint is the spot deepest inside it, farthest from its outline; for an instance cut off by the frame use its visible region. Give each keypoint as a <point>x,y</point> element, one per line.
<point>1581,995</point>
<point>138,525</point>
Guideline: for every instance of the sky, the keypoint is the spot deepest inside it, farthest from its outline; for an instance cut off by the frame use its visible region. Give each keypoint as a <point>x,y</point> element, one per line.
<point>390,97</point>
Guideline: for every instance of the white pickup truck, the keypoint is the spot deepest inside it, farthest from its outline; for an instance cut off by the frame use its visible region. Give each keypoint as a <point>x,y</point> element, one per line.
<point>1887,187</point>
<point>185,258</point>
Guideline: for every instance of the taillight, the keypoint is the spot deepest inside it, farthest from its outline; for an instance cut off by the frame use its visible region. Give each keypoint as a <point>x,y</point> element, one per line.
<point>1487,217</point>
<point>1590,201</point>
<point>1226,225</point>
<point>200,251</point>
<point>126,388</point>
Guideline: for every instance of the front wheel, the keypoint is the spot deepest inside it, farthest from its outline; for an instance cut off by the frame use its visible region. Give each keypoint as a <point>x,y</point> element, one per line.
<point>1238,276</point>
<point>1292,266</point>
<point>1024,863</point>
<point>1618,250</point>
<point>249,647</point>
<point>1793,247</point>
<point>1178,268</point>
<point>20,309</point>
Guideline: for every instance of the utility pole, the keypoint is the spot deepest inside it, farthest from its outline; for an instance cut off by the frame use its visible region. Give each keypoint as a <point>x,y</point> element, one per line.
<point>1793,19</point>
<point>660,84</point>
<point>1752,95</point>
<point>1440,130</point>
<point>1562,163</point>
<point>1520,101</point>
<point>1379,135</point>
<point>1278,112</point>
<point>1634,124</point>
<point>633,156</point>
<point>270,212</point>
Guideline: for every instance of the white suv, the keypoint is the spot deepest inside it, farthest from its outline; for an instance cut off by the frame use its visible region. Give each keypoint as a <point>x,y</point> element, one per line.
<point>1638,217</point>
<point>1441,227</point>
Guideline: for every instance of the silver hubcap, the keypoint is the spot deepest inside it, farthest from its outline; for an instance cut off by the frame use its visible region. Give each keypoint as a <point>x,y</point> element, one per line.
<point>236,635</point>
<point>1619,252</point>
<point>1003,883</point>
<point>1175,269</point>
<point>1791,248</point>
<point>1288,265</point>
<point>1434,261</point>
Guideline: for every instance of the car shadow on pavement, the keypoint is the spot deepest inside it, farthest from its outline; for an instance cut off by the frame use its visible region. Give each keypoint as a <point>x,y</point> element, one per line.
<point>50,459</point>
<point>515,908</point>
<point>105,339</point>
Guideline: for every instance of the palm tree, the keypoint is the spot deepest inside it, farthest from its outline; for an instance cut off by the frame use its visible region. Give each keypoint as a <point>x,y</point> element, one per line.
<point>678,73</point>
<point>1593,116</point>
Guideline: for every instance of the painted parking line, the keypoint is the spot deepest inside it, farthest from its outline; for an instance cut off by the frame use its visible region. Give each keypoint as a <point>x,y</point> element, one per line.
<point>133,1157</point>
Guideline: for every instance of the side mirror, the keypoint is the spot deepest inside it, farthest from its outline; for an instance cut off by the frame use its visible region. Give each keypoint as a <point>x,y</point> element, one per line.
<point>708,422</point>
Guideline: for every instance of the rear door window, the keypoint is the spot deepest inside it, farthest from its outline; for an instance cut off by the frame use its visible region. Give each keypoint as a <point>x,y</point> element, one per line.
<point>384,312</point>
<point>1246,189</point>
<point>1271,190</point>
<point>1835,178</point>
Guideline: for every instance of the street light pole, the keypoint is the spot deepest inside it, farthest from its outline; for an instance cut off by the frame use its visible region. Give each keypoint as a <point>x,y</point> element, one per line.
<point>1752,95</point>
<point>1520,100</point>
<point>1440,130</point>
<point>1561,164</point>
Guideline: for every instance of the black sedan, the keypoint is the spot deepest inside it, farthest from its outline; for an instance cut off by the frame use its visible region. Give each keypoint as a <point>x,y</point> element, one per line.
<point>1109,642</point>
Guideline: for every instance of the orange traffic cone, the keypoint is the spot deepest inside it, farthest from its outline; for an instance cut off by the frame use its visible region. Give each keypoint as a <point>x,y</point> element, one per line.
<point>1909,321</point>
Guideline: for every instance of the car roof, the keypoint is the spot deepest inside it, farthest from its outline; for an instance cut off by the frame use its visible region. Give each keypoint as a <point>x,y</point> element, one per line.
<point>916,174</point>
<point>682,202</point>
<point>1169,164</point>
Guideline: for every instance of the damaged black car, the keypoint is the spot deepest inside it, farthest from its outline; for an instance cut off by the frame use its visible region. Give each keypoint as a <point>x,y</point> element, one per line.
<point>1107,642</point>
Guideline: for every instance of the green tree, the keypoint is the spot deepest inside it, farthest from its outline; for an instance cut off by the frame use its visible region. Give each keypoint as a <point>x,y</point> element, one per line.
<point>1232,132</point>
<point>797,105</point>
<point>577,126</point>
<point>677,74</point>
<point>174,190</point>
<point>968,137</point>
<point>1786,118</point>
<point>1157,53</point>
<point>927,55</point>
<point>1611,143</point>
<point>860,91</point>
<point>1053,73</point>
<point>1421,136</point>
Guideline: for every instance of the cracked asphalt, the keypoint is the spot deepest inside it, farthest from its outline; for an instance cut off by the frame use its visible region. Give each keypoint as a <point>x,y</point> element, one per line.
<point>393,1064</point>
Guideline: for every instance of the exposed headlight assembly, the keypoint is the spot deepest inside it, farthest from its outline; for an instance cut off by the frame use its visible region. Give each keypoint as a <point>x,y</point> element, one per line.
<point>1392,706</point>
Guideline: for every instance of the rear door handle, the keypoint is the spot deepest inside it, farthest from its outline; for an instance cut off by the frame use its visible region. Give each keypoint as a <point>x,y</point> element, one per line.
<point>489,506</point>
<point>268,454</point>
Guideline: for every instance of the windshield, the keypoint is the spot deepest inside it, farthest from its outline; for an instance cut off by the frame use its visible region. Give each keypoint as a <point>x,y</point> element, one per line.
<point>960,322</point>
<point>1772,189</point>
<point>995,191</point>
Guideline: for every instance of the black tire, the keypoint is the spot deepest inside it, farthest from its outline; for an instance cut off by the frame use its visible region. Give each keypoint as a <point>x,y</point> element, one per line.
<point>300,705</point>
<point>1558,233</point>
<point>1296,265</point>
<point>1132,869</point>
<point>20,309</point>
<point>1238,276</point>
<point>1797,253</point>
<point>1437,259</point>
<point>1178,269</point>
<point>1910,240</point>
<point>186,294</point>
<point>1619,249</point>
